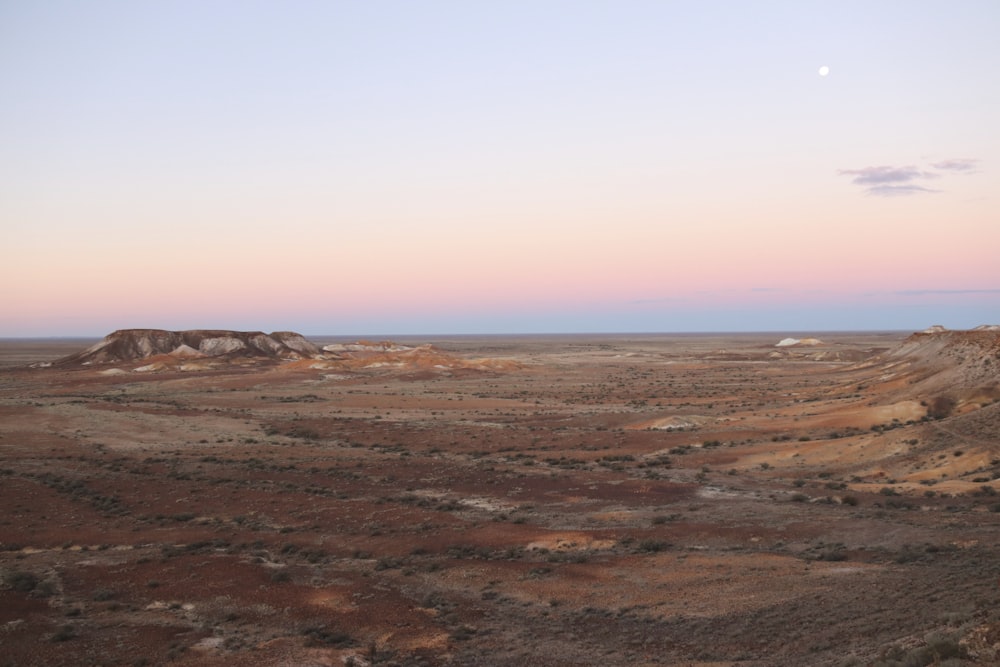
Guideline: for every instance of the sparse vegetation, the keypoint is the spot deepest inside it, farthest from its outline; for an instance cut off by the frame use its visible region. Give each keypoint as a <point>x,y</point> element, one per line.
<point>322,636</point>
<point>937,649</point>
<point>20,581</point>
<point>407,516</point>
<point>940,407</point>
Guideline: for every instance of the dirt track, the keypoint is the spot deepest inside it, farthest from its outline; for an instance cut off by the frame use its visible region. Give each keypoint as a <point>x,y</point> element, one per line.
<point>604,500</point>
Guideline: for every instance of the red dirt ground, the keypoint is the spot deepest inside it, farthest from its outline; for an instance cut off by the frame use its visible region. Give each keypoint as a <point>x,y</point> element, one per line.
<point>672,500</point>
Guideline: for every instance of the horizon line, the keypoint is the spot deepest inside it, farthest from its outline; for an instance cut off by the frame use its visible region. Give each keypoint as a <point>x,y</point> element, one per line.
<point>510,334</point>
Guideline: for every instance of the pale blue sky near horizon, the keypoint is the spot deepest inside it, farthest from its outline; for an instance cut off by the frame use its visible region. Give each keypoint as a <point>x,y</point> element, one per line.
<point>456,167</point>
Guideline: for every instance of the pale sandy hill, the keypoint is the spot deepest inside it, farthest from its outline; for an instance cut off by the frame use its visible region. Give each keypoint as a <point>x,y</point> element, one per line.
<point>186,352</point>
<point>799,342</point>
<point>389,356</point>
<point>815,349</point>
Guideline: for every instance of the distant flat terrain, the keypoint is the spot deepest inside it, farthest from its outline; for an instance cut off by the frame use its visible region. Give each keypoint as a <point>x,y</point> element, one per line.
<point>24,351</point>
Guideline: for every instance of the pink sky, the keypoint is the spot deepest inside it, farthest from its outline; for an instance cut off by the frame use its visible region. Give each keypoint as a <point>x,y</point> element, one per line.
<point>651,169</point>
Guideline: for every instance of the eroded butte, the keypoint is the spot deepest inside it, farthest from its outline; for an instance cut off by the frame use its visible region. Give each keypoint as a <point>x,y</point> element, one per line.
<point>220,498</point>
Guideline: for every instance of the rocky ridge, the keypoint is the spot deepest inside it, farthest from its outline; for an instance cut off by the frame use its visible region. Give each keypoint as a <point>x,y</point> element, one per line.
<point>959,367</point>
<point>202,349</point>
<point>127,345</point>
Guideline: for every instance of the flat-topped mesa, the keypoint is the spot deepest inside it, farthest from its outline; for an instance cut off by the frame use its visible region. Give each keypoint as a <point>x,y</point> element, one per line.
<point>127,345</point>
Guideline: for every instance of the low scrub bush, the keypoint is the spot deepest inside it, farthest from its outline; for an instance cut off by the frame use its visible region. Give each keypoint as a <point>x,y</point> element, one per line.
<point>22,582</point>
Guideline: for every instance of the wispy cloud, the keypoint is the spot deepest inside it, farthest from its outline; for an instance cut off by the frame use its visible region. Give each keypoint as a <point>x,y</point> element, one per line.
<point>897,190</point>
<point>963,165</point>
<point>890,181</point>
<point>666,299</point>
<point>926,292</point>
<point>886,181</point>
<point>884,175</point>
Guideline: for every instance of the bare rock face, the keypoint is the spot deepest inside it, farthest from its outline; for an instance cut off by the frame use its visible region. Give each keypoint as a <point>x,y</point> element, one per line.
<point>950,370</point>
<point>977,348</point>
<point>127,345</point>
<point>296,342</point>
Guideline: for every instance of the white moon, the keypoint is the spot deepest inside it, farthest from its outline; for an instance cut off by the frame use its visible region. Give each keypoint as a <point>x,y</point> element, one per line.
<point>824,70</point>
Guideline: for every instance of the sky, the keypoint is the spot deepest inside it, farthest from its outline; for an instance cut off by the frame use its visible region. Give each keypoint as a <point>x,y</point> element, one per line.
<point>543,166</point>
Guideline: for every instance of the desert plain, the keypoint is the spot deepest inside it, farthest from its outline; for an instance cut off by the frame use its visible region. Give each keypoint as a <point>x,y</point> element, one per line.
<point>706,500</point>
